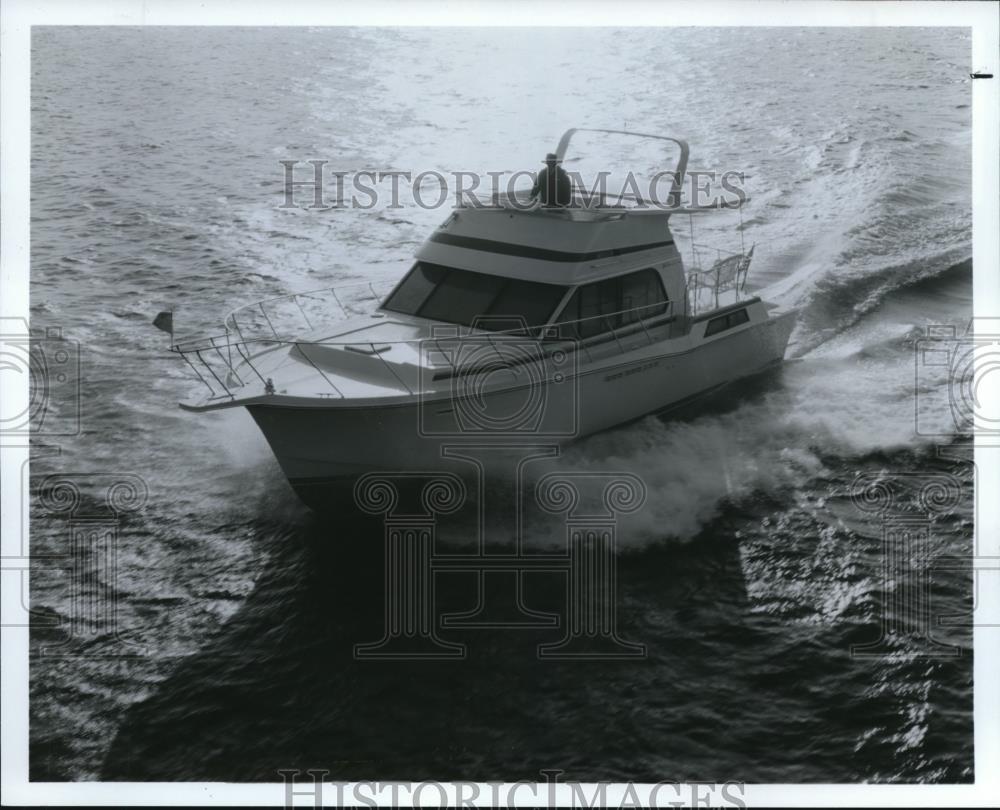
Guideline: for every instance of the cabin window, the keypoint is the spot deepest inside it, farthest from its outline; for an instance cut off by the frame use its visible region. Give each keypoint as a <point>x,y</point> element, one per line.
<point>530,300</point>
<point>724,322</point>
<point>457,296</point>
<point>460,297</point>
<point>641,292</point>
<point>414,289</point>
<point>606,305</point>
<point>598,306</point>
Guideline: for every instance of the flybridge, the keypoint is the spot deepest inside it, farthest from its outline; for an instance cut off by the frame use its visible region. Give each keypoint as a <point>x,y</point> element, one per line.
<point>659,194</point>
<point>546,247</point>
<point>590,197</point>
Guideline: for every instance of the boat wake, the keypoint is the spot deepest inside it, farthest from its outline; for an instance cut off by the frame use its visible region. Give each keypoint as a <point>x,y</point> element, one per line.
<point>847,401</point>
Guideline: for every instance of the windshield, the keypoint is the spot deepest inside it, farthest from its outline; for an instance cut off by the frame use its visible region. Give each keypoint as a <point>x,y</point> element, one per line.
<point>460,296</point>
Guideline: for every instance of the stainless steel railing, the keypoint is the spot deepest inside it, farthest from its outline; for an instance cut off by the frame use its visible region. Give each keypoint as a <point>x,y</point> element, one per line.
<point>270,316</point>
<point>728,272</point>
<point>225,363</point>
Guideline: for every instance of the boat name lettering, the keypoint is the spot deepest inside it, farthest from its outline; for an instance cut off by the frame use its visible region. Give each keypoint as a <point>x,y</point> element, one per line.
<point>633,370</point>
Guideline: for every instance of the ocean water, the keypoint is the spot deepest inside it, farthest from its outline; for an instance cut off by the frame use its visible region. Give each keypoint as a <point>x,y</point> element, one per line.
<point>749,573</point>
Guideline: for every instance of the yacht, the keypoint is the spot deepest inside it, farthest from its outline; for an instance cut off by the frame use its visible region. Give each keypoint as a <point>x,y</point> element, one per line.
<point>518,322</point>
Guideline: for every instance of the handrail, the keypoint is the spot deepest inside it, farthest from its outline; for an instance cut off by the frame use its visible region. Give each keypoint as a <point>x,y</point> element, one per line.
<point>736,265</point>
<point>318,369</point>
<point>390,369</point>
<point>719,252</point>
<point>518,331</point>
<point>592,203</point>
<point>249,349</point>
<point>208,342</point>
<point>505,201</point>
<point>678,179</point>
<point>232,322</point>
<point>540,333</point>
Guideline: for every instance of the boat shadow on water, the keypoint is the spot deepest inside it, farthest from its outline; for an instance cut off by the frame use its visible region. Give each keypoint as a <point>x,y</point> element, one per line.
<point>281,686</point>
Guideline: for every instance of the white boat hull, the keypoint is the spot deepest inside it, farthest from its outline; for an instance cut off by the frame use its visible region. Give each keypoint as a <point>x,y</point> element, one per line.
<point>325,447</point>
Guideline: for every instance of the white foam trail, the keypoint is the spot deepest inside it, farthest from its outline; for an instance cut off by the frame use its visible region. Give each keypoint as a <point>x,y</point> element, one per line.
<point>838,405</point>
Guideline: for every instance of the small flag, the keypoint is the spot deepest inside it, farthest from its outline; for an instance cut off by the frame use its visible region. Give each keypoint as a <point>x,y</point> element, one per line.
<point>165,321</point>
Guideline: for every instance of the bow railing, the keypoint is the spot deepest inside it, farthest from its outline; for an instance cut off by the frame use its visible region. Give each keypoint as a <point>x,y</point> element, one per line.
<point>227,363</point>
<point>282,316</point>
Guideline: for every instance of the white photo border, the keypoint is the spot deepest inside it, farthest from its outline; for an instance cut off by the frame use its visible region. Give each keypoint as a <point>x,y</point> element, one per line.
<point>18,16</point>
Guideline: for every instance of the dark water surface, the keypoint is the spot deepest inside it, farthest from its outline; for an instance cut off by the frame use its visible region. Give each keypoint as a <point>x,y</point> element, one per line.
<point>748,574</point>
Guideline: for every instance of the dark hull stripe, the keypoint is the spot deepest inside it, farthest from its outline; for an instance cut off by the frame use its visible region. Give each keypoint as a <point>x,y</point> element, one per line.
<point>527,252</point>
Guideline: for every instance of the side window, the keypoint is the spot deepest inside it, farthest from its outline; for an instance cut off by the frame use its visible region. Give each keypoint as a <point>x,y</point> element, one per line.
<point>598,302</point>
<point>602,306</point>
<point>452,295</point>
<point>737,318</point>
<point>586,313</point>
<point>413,290</point>
<point>531,300</point>
<point>461,297</point>
<point>642,292</point>
<point>724,322</point>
